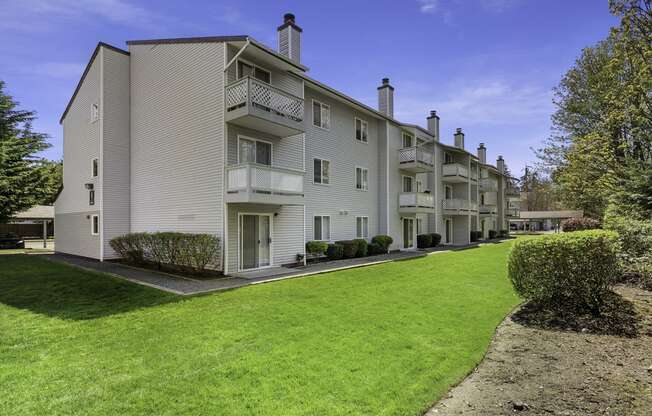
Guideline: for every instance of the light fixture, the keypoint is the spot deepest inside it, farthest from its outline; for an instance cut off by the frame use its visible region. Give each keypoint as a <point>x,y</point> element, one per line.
<point>89,186</point>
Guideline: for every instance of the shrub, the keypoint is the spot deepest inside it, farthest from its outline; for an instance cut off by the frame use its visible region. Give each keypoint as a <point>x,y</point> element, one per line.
<point>493,234</point>
<point>350,248</point>
<point>375,248</point>
<point>503,233</point>
<point>475,235</point>
<point>335,251</point>
<point>579,224</point>
<point>316,247</point>
<point>182,250</point>
<point>635,237</point>
<point>424,240</point>
<point>384,241</point>
<point>572,271</point>
<point>436,239</point>
<point>363,247</point>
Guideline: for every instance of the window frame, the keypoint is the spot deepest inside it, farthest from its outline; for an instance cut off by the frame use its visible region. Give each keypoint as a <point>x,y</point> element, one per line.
<point>448,156</point>
<point>95,112</point>
<point>238,76</point>
<point>362,177</point>
<point>95,217</point>
<point>362,226</point>
<point>95,165</point>
<point>321,114</point>
<point>321,171</point>
<point>412,184</point>
<point>321,216</point>
<point>271,150</point>
<point>412,140</point>
<point>91,197</point>
<point>364,128</point>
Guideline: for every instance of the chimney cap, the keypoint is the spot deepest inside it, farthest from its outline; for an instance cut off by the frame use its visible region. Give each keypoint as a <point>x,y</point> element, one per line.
<point>289,20</point>
<point>385,84</point>
<point>500,157</point>
<point>458,130</point>
<point>433,113</point>
<point>481,146</point>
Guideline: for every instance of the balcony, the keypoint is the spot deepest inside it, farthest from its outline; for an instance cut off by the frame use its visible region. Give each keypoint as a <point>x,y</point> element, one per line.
<point>488,210</point>
<point>415,160</point>
<point>459,206</point>
<point>260,184</point>
<point>416,203</point>
<point>512,212</point>
<point>488,185</point>
<point>454,173</point>
<point>256,105</point>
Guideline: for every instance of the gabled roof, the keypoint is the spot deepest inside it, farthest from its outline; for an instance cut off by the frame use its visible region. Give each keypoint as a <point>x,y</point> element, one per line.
<point>88,67</point>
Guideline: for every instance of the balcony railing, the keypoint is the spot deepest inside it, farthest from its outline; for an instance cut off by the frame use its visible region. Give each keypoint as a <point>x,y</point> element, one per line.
<point>455,169</point>
<point>258,94</point>
<point>488,185</point>
<point>416,199</point>
<point>459,204</point>
<point>253,178</point>
<point>512,212</point>
<point>488,209</point>
<point>415,154</point>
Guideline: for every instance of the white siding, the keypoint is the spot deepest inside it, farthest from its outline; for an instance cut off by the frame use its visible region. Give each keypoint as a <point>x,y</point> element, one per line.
<point>287,152</point>
<point>177,137</point>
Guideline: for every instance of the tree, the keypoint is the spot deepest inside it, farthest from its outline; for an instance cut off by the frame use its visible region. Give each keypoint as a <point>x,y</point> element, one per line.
<point>23,180</point>
<point>537,191</point>
<point>602,129</point>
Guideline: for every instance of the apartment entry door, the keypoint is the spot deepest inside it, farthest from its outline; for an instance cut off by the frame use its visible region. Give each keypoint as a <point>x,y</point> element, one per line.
<point>255,241</point>
<point>408,232</point>
<point>449,231</point>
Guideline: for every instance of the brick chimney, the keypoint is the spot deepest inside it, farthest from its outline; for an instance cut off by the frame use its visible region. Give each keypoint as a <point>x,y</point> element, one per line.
<point>433,124</point>
<point>459,138</point>
<point>386,98</point>
<point>482,154</point>
<point>289,38</point>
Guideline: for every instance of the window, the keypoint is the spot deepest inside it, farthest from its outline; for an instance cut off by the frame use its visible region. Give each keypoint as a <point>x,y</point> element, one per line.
<point>254,151</point>
<point>321,172</point>
<point>408,182</point>
<point>361,130</point>
<point>448,158</point>
<point>408,140</point>
<point>419,186</point>
<point>322,228</point>
<point>95,113</point>
<point>361,227</point>
<point>321,115</point>
<point>246,69</point>
<point>448,192</point>
<point>95,167</point>
<point>362,179</point>
<point>420,229</point>
<point>91,197</point>
<point>95,225</point>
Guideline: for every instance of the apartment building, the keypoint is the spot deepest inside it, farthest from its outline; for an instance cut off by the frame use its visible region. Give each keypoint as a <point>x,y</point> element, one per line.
<point>223,135</point>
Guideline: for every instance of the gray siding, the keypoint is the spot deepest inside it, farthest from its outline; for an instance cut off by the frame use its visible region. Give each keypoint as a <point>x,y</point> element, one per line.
<point>177,137</point>
<point>115,151</point>
<point>395,179</point>
<point>340,199</point>
<point>73,234</point>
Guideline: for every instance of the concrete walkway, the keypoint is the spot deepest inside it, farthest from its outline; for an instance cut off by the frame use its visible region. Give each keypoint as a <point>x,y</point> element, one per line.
<point>182,285</point>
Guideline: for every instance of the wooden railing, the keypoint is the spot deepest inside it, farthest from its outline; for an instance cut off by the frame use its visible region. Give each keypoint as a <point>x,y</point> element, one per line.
<point>454,169</point>
<point>415,154</point>
<point>262,95</point>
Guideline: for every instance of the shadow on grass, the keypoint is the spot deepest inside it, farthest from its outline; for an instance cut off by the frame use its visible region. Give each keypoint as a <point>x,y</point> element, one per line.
<point>66,292</point>
<point>618,317</point>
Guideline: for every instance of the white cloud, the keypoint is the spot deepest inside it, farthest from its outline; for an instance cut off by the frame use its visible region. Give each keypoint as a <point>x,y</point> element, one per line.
<point>428,6</point>
<point>437,6</point>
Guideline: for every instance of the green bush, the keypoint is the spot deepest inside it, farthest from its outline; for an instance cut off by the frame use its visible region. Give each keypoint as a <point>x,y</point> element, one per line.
<point>475,235</point>
<point>375,248</point>
<point>424,240</point>
<point>436,239</point>
<point>363,247</point>
<point>493,234</point>
<point>572,271</point>
<point>316,247</point>
<point>335,251</point>
<point>384,241</point>
<point>635,237</point>
<point>181,250</point>
<point>503,233</point>
<point>579,224</point>
<point>350,248</point>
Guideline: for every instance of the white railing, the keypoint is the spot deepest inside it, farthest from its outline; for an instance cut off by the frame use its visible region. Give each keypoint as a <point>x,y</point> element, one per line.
<point>416,199</point>
<point>512,212</point>
<point>415,154</point>
<point>488,185</point>
<point>260,178</point>
<point>454,169</point>
<point>488,209</point>
<point>458,204</point>
<point>265,96</point>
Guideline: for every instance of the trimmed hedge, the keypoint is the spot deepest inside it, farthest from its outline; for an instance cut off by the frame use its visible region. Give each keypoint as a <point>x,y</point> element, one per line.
<point>383,241</point>
<point>579,224</point>
<point>182,250</point>
<point>572,271</point>
<point>362,247</point>
<point>635,237</point>
<point>436,239</point>
<point>475,236</point>
<point>335,251</point>
<point>424,240</point>
<point>316,247</point>
<point>375,248</point>
<point>503,233</point>
<point>350,248</point>
<point>493,234</point>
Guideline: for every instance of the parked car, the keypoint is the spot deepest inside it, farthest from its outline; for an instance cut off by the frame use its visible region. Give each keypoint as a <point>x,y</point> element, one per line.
<point>11,240</point>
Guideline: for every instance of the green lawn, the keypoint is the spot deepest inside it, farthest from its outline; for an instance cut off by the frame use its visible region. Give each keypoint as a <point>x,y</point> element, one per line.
<point>382,340</point>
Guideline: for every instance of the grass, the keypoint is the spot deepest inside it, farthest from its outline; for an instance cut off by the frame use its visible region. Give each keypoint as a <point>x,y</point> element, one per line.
<point>383,340</point>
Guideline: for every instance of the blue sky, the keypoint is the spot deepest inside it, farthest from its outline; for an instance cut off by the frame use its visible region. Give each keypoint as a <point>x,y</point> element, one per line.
<point>487,66</point>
